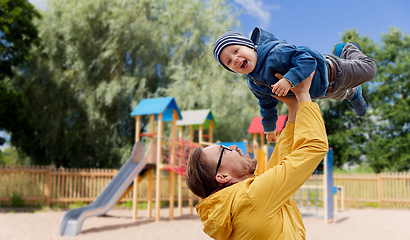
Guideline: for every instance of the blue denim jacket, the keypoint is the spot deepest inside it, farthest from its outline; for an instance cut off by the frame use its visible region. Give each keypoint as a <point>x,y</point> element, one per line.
<point>295,63</point>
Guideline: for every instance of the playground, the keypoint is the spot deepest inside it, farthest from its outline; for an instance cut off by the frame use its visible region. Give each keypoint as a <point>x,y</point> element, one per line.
<point>101,220</point>
<point>352,224</point>
<point>81,164</point>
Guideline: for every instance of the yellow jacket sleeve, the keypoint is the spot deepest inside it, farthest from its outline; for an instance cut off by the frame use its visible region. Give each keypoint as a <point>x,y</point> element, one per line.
<point>298,154</point>
<point>283,146</point>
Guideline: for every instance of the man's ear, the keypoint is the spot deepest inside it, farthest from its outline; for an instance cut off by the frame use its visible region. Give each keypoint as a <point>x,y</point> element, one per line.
<point>222,177</point>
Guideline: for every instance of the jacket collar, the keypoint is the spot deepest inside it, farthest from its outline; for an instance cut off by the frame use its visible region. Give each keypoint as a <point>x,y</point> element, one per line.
<point>222,187</point>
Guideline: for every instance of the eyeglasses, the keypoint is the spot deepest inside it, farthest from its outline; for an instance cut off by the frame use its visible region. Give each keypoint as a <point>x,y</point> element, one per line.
<point>220,158</point>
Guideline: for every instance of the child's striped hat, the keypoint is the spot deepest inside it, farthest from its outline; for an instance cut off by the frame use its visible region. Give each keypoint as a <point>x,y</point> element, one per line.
<point>230,38</point>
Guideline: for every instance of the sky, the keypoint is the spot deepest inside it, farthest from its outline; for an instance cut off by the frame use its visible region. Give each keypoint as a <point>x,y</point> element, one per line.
<point>7,137</point>
<point>319,24</point>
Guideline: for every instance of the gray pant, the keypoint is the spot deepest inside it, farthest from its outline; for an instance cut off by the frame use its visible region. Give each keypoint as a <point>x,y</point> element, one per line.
<point>352,69</point>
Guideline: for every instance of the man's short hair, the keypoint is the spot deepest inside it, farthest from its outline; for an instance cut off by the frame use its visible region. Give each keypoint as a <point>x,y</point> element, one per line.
<point>200,174</point>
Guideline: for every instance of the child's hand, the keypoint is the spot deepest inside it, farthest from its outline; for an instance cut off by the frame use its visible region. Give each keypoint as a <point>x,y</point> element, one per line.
<point>271,137</point>
<point>282,87</point>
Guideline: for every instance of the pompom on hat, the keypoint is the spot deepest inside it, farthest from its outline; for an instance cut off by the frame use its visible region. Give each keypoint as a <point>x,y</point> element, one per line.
<point>230,38</point>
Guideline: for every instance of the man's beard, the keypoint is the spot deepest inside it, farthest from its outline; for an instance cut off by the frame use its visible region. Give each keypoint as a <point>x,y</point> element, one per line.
<point>250,166</point>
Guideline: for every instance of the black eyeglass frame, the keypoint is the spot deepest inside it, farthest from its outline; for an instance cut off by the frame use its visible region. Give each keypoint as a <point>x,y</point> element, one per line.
<point>220,158</point>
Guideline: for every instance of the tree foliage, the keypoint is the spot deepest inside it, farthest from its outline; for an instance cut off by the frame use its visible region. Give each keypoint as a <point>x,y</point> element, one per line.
<point>388,145</point>
<point>17,35</point>
<point>100,58</point>
<point>381,137</point>
<point>201,83</point>
<point>347,133</point>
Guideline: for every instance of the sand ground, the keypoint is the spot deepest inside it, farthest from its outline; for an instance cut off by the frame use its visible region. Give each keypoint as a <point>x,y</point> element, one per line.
<point>117,224</point>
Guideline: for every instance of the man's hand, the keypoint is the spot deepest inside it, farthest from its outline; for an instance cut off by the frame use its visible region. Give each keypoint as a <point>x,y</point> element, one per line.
<point>271,137</point>
<point>290,101</point>
<point>302,89</point>
<point>281,88</point>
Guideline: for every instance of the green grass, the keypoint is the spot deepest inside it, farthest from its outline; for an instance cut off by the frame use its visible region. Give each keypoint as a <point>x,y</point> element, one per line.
<point>42,209</point>
<point>16,200</point>
<point>76,205</point>
<point>129,204</point>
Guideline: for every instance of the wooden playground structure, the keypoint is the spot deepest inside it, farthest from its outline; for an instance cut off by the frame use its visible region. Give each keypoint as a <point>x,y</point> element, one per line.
<point>172,153</point>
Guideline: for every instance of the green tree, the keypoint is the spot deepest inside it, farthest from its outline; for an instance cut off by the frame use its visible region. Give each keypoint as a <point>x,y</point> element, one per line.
<point>388,144</point>
<point>17,35</point>
<point>344,131</point>
<point>347,133</point>
<point>10,156</point>
<point>100,58</point>
<point>381,138</point>
<point>199,82</point>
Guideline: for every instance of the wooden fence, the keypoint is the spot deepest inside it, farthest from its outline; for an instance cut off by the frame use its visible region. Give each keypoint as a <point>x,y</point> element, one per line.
<point>50,186</point>
<point>383,190</point>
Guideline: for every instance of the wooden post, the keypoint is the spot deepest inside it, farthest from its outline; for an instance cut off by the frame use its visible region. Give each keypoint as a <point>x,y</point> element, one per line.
<point>200,138</point>
<point>172,163</point>
<point>181,132</point>
<point>159,156</point>
<point>181,153</point>
<point>191,133</point>
<point>149,193</point>
<point>137,128</point>
<point>380,183</point>
<point>151,172</point>
<point>135,187</point>
<point>48,186</point>
<point>211,132</point>
<point>255,144</point>
<point>191,194</point>
<point>262,136</point>
<point>266,149</point>
<point>135,199</point>
<point>255,147</point>
<point>180,194</point>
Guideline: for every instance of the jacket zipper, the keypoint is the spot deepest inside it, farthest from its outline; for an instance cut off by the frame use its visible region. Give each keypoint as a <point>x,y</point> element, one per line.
<point>264,84</point>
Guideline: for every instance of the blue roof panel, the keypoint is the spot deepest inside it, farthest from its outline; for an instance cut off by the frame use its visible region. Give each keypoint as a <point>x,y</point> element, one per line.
<point>157,106</point>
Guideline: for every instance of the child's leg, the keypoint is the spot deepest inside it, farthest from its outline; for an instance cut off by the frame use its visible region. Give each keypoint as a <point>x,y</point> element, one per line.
<point>352,69</point>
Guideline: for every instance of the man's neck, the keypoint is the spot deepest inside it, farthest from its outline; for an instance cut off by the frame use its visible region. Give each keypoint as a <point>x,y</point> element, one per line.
<point>235,180</point>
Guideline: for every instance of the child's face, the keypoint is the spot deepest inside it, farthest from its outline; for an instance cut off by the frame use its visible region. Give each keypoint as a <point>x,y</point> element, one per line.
<point>239,58</point>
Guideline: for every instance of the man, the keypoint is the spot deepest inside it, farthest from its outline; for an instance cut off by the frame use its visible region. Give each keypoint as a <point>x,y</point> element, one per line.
<point>239,205</point>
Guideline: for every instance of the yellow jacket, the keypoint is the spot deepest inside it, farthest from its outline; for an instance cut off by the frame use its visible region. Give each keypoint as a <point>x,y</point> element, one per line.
<point>261,207</point>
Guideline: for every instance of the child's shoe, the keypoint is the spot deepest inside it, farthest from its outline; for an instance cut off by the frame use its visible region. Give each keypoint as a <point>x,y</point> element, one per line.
<point>358,103</point>
<point>338,48</point>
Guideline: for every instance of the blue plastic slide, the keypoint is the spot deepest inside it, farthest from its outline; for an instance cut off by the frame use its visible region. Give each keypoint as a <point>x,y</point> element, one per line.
<point>73,220</point>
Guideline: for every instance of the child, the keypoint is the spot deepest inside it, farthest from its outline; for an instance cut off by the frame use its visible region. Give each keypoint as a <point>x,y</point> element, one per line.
<point>272,67</point>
